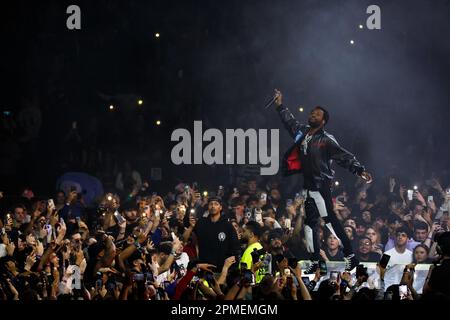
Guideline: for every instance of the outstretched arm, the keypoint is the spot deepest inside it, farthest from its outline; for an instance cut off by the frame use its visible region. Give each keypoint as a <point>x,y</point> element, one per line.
<point>295,129</point>
<point>347,160</point>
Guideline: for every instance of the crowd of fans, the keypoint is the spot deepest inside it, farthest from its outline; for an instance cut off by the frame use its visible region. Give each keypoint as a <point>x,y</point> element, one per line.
<point>238,242</point>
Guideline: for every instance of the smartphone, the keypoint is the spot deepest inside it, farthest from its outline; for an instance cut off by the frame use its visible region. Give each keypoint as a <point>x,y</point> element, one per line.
<point>403,291</point>
<point>248,214</point>
<point>323,268</point>
<point>288,202</point>
<point>430,198</point>
<point>235,190</point>
<point>334,276</point>
<point>287,272</point>
<point>384,260</point>
<point>173,235</point>
<point>249,277</point>
<point>74,125</point>
<point>77,219</point>
<point>287,223</point>
<point>51,203</point>
<point>258,217</point>
<point>306,280</point>
<point>119,217</point>
<point>410,194</point>
<point>138,277</point>
<point>292,262</point>
<point>157,213</point>
<point>264,196</point>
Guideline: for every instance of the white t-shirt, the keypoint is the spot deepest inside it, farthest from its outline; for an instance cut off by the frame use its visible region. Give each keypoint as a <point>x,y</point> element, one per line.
<point>182,262</point>
<point>399,258</point>
<point>3,252</point>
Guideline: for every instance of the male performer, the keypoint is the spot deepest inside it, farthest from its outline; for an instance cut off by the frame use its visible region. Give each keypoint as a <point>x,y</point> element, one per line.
<point>312,154</point>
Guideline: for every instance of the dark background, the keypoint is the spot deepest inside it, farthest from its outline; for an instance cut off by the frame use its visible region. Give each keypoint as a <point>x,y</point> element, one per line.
<point>219,61</point>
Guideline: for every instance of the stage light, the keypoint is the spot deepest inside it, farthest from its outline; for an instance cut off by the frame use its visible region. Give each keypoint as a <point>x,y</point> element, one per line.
<point>158,122</point>
<point>157,35</point>
<point>352,42</point>
<point>140,102</point>
<point>111,107</point>
<point>360,26</point>
<point>415,188</point>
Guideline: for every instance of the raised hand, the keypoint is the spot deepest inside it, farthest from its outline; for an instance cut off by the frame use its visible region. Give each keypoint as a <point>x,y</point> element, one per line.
<point>229,261</point>
<point>206,267</point>
<point>278,98</point>
<point>367,177</point>
<point>391,184</point>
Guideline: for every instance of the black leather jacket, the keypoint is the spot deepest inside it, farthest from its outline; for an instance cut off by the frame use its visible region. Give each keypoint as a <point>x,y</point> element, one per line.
<point>321,151</point>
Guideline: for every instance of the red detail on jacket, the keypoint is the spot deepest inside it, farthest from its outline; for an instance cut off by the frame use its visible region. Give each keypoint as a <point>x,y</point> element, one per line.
<point>293,160</point>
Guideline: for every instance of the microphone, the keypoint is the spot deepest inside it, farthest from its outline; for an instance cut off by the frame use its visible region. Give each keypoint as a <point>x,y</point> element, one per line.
<point>269,103</point>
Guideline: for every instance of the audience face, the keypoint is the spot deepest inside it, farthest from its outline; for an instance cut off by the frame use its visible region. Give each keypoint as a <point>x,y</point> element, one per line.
<point>360,230</point>
<point>20,214</point>
<point>60,198</point>
<point>420,235</point>
<point>252,186</point>
<point>372,235</point>
<point>401,239</point>
<point>365,246</point>
<point>214,208</point>
<point>367,217</point>
<point>332,242</point>
<point>351,223</point>
<point>420,255</point>
<point>349,232</point>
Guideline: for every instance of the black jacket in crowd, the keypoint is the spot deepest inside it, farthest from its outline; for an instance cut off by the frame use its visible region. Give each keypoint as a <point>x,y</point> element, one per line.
<point>322,150</point>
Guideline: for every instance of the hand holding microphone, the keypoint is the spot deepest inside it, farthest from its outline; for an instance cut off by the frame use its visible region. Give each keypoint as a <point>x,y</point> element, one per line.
<point>277,99</point>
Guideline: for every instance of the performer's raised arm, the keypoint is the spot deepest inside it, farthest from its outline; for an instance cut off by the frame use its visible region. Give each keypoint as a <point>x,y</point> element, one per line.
<point>295,129</point>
